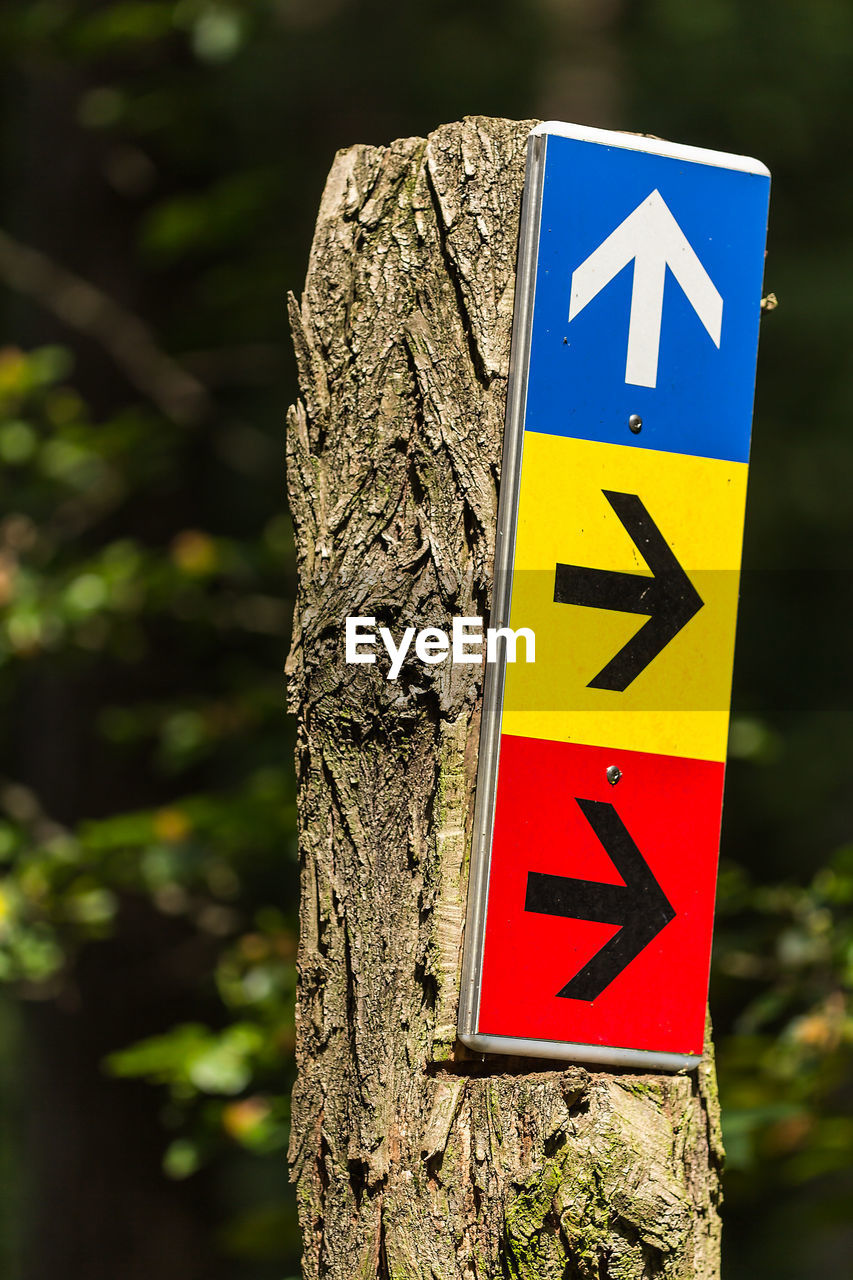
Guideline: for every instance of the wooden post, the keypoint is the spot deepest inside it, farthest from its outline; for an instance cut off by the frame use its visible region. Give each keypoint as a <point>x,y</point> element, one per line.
<point>414,1160</point>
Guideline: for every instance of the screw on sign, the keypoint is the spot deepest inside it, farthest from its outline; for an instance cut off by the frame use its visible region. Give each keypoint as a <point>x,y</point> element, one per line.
<point>590,909</point>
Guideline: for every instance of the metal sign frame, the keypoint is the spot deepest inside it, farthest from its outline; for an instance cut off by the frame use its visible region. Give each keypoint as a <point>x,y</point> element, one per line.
<point>495,678</point>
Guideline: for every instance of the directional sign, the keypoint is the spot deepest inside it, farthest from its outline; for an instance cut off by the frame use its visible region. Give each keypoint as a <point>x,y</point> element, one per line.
<point>651,239</point>
<point>668,597</point>
<point>601,765</point>
<point>571,972</point>
<point>639,906</point>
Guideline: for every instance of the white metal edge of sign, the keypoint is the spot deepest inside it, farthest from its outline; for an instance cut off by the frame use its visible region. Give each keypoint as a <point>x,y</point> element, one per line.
<point>654,146</point>
<point>493,695</point>
<point>493,691</point>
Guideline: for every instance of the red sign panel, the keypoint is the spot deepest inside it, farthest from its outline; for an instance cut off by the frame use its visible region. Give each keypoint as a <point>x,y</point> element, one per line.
<point>601,897</point>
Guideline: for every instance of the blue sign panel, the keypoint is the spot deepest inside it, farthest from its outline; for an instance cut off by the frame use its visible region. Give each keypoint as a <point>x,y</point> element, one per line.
<point>647,296</point>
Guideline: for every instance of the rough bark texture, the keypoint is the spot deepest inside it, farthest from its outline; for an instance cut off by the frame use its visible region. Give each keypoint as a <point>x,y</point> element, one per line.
<point>413,1159</point>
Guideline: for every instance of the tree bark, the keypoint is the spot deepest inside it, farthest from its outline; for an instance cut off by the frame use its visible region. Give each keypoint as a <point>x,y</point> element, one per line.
<point>413,1159</point>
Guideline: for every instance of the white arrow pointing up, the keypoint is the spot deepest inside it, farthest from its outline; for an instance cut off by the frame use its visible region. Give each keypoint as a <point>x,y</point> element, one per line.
<point>654,240</point>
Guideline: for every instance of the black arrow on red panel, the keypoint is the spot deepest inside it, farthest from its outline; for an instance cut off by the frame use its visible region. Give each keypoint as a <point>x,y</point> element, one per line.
<point>639,905</point>
<point>668,597</point>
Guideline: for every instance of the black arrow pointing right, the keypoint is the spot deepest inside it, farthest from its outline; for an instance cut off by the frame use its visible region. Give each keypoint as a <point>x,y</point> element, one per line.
<point>668,597</point>
<point>639,905</point>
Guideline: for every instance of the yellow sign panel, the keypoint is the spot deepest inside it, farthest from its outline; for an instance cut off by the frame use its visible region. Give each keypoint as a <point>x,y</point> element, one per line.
<point>592,507</point>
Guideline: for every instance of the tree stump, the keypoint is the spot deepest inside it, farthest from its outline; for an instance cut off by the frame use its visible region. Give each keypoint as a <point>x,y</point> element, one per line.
<point>415,1160</point>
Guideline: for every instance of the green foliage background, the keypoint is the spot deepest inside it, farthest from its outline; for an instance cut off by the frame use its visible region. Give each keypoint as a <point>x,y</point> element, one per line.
<point>164,161</point>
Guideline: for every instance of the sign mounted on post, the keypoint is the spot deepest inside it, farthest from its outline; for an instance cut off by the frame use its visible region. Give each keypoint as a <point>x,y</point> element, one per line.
<point>600,783</point>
